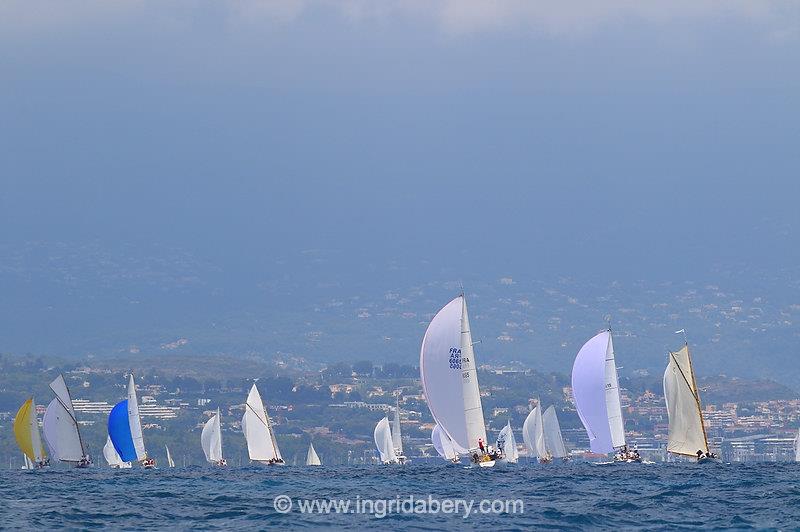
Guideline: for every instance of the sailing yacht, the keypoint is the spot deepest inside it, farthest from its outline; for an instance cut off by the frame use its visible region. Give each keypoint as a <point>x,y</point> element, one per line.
<point>533,435</point>
<point>507,444</point>
<point>211,440</point>
<point>384,442</point>
<point>687,432</point>
<point>595,389</point>
<point>61,430</point>
<point>542,435</point>
<point>312,458</point>
<point>125,429</point>
<point>112,456</point>
<point>29,440</point>
<point>170,462</point>
<point>397,440</point>
<point>450,382</point>
<point>443,445</point>
<point>553,440</point>
<point>261,444</point>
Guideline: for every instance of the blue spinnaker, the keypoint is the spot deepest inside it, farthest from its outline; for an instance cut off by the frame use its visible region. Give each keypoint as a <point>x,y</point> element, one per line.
<point>119,430</point>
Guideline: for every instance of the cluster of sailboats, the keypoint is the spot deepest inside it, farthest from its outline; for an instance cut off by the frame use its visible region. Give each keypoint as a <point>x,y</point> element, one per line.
<point>125,443</point>
<point>450,384</point>
<point>60,429</point>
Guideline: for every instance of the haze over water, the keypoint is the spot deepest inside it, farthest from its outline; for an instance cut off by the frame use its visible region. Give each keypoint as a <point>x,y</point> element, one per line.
<point>173,169</point>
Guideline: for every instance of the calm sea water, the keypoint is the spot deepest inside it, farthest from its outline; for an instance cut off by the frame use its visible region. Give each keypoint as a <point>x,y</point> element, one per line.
<point>658,496</point>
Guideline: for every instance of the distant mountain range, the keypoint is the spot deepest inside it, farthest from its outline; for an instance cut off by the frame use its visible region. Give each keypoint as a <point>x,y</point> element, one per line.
<point>70,300</point>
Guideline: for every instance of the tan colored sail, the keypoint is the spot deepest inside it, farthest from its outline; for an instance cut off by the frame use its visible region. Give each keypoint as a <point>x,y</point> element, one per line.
<point>687,433</point>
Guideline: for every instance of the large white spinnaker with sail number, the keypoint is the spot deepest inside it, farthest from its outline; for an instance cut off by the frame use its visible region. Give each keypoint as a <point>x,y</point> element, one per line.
<point>449,377</point>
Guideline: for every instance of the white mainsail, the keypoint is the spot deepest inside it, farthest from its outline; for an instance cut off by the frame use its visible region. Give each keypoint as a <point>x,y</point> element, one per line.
<point>596,392</point>
<point>613,403</point>
<point>112,456</point>
<point>533,433</point>
<point>687,435</point>
<point>442,444</point>
<point>449,377</point>
<point>553,440</point>
<point>397,441</point>
<point>60,426</point>
<point>211,439</point>
<point>508,444</point>
<point>261,444</point>
<point>383,441</point>
<point>170,462</point>
<point>312,458</point>
<point>135,421</point>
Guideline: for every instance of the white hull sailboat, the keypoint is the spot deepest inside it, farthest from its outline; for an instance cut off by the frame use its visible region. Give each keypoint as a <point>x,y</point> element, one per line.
<point>542,435</point>
<point>507,444</point>
<point>397,439</point>
<point>261,444</point>
<point>450,382</point>
<point>170,461</point>
<point>312,458</point>
<point>533,436</point>
<point>687,432</point>
<point>211,441</point>
<point>61,430</point>
<point>553,439</point>
<point>29,440</point>
<point>384,442</point>
<point>595,389</point>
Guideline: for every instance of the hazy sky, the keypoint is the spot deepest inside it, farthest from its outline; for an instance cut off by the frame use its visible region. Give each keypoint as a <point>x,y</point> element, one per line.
<point>556,135</point>
<point>622,140</point>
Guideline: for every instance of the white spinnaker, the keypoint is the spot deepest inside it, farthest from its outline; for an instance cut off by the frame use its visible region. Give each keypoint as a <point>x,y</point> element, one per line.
<point>686,432</point>
<point>170,461</point>
<point>211,439</point>
<point>383,441</point>
<point>60,434</point>
<point>111,455</point>
<point>553,440</point>
<point>312,458</point>
<point>397,441</point>
<point>533,434</point>
<point>508,444</point>
<point>135,421</point>
<point>261,444</point>
<point>440,372</point>
<point>613,406</point>
<point>442,444</point>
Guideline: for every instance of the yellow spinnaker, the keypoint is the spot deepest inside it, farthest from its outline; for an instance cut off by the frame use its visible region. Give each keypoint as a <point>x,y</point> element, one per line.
<point>24,426</point>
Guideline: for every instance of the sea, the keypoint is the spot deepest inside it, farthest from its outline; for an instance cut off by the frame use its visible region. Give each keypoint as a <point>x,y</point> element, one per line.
<point>417,496</point>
